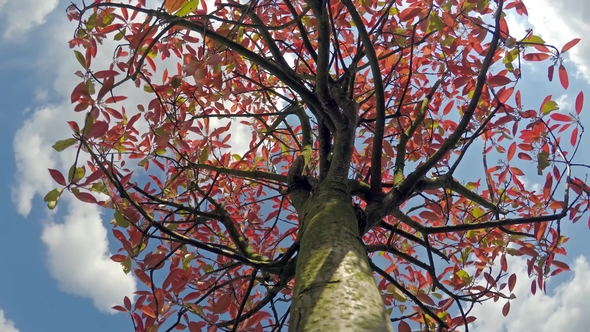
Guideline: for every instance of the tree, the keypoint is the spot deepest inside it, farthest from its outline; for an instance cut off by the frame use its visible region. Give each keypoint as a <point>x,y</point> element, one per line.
<point>348,212</point>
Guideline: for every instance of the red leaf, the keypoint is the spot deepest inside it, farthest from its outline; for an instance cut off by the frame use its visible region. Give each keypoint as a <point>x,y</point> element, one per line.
<point>498,80</point>
<point>448,107</point>
<point>220,130</point>
<point>57,176</point>
<point>403,327</point>
<point>78,92</point>
<point>563,77</point>
<point>107,85</point>
<point>74,126</point>
<point>409,13</point>
<point>99,128</point>
<point>579,102</point>
<point>127,303</point>
<point>561,265</point>
<point>222,304</point>
<point>115,99</point>
<point>574,137</point>
<point>560,117</point>
<point>569,45</point>
<point>94,176</point>
<point>504,94</point>
<point>119,308</point>
<point>504,31</point>
<point>550,71</point>
<point>511,282</point>
<point>106,73</point>
<point>191,296</point>
<point>81,106</point>
<point>524,156</point>
<point>429,215</point>
<point>118,258</point>
<point>85,197</point>
<point>388,149</point>
<point>536,56</point>
<point>196,326</point>
<point>133,120</point>
<point>148,311</point>
<point>511,151</point>
<point>425,299</point>
<point>506,309</point>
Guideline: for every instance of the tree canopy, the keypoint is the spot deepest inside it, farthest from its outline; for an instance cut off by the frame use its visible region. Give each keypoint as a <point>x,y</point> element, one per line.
<point>382,182</point>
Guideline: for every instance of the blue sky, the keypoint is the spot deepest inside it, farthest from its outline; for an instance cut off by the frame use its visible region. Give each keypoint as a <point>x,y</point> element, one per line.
<point>56,270</point>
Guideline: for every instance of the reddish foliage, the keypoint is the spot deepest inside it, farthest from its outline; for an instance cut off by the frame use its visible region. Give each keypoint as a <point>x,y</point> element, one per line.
<point>218,226</point>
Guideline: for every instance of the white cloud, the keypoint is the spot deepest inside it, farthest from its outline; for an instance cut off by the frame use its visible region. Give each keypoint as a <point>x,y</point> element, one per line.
<point>558,22</point>
<point>78,257</point>
<point>564,103</point>
<point>22,15</point>
<point>532,187</point>
<point>77,249</point>
<point>34,155</point>
<point>6,325</point>
<point>564,310</point>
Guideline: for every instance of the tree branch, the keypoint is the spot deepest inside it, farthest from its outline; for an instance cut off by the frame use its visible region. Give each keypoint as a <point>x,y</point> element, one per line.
<point>377,150</point>
<point>398,195</point>
<point>448,182</point>
<point>407,293</point>
<point>493,224</point>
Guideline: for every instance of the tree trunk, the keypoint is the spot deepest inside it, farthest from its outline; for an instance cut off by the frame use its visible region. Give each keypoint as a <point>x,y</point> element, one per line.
<point>334,286</point>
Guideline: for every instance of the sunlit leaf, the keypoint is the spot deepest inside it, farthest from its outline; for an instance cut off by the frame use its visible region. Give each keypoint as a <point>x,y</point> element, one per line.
<point>52,197</point>
<point>64,144</point>
<point>187,7</point>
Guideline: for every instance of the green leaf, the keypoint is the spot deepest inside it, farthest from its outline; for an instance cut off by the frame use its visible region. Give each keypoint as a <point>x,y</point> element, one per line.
<point>107,20</point>
<point>542,162</point>
<point>142,162</point>
<point>396,293</point>
<point>534,39</point>
<point>99,187</point>
<point>91,23</point>
<point>75,175</point>
<point>80,59</point>
<point>175,83</point>
<point>285,149</point>
<point>465,277</point>
<point>52,198</point>
<point>186,261</point>
<point>59,146</point>
<point>89,87</point>
<point>549,107</point>
<point>207,268</point>
<point>436,24</point>
<point>147,88</point>
<point>204,155</point>
<point>481,5</point>
<point>88,125</point>
<point>126,264</point>
<point>120,35</point>
<point>306,152</point>
<point>120,220</point>
<point>187,8</point>
<point>160,151</point>
<point>512,251</point>
<point>478,213</point>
